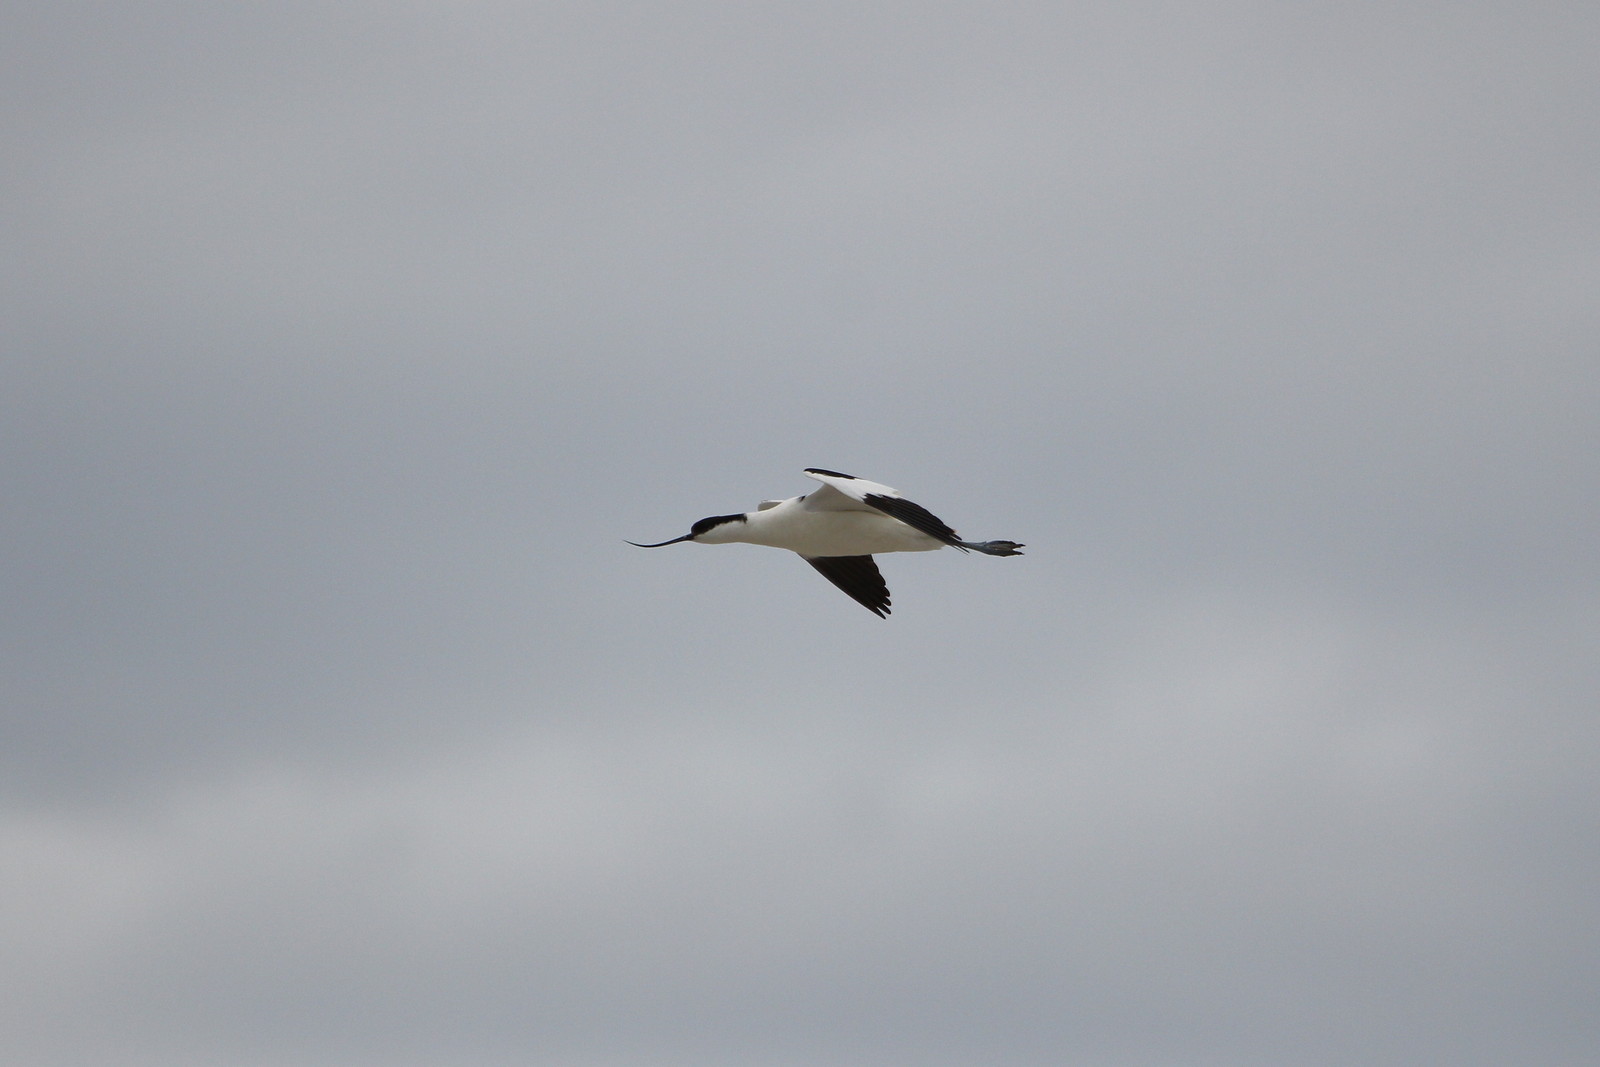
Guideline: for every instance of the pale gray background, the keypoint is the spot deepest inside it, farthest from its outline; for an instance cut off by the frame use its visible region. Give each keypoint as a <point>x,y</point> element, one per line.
<point>345,342</point>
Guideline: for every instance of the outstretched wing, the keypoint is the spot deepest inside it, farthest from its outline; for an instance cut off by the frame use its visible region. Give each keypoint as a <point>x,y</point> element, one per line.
<point>839,492</point>
<point>858,576</point>
<point>853,493</point>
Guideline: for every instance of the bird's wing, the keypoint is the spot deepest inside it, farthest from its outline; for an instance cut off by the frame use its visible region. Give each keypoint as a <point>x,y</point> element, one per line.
<point>857,576</point>
<point>879,498</point>
<point>840,492</point>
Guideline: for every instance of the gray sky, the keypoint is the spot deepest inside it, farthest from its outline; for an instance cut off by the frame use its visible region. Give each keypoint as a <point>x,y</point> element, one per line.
<point>345,343</point>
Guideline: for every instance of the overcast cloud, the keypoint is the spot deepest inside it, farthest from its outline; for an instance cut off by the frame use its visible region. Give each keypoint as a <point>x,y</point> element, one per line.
<point>344,343</point>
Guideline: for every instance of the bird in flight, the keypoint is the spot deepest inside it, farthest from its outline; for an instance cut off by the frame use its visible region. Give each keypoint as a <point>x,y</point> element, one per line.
<point>837,529</point>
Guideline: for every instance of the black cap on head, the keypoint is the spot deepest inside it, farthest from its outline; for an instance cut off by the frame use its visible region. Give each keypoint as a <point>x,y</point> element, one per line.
<point>714,521</point>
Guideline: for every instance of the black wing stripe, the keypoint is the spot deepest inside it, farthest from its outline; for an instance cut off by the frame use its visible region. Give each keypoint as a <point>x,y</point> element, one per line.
<point>915,516</point>
<point>858,577</point>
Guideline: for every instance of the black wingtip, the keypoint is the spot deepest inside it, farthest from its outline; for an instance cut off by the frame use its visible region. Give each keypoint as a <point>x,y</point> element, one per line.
<point>858,577</point>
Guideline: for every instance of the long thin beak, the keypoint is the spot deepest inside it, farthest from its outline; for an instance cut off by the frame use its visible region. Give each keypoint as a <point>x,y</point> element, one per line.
<point>674,541</point>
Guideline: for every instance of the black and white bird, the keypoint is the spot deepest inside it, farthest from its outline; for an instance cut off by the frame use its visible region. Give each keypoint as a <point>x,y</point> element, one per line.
<point>837,529</point>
